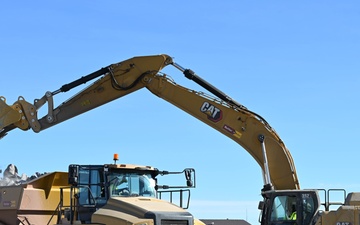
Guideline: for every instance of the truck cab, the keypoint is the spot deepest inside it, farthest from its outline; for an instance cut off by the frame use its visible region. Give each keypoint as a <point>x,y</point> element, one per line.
<point>130,189</point>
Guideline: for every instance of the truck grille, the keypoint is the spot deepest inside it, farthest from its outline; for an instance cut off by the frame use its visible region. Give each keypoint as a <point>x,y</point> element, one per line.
<point>174,222</point>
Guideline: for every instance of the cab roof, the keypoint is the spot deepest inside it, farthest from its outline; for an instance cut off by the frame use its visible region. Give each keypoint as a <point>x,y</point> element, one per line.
<point>131,166</point>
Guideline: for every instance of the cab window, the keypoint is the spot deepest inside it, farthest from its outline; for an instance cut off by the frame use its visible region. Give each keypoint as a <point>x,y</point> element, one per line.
<point>309,207</point>
<point>131,184</point>
<point>284,208</point>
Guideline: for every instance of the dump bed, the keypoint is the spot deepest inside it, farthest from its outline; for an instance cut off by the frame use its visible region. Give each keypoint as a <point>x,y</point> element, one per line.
<point>33,202</point>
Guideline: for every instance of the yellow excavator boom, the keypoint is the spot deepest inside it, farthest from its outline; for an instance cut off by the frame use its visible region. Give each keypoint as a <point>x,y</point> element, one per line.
<point>222,113</point>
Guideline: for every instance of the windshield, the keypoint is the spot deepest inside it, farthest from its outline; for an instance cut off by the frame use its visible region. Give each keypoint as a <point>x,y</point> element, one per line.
<point>131,184</point>
<point>284,208</point>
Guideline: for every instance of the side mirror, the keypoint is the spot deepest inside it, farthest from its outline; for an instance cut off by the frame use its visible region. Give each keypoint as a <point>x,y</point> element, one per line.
<point>189,177</point>
<point>261,205</point>
<point>73,177</point>
<point>190,182</point>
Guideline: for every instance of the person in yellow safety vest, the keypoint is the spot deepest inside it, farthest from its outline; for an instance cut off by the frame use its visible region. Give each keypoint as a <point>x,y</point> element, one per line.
<point>293,214</point>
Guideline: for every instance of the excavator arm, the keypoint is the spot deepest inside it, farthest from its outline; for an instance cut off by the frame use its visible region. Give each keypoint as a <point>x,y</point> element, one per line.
<point>116,81</point>
<point>222,113</point>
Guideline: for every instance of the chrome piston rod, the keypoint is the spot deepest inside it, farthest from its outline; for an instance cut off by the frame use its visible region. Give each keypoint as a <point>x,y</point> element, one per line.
<point>267,179</point>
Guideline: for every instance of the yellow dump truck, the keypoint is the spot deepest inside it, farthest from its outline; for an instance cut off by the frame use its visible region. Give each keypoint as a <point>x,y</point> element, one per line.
<point>98,194</point>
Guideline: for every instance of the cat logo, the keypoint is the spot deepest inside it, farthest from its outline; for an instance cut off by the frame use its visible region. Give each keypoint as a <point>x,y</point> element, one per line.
<point>214,114</point>
<point>343,223</point>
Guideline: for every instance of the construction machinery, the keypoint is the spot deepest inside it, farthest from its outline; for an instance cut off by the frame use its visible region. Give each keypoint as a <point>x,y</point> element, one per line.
<point>98,194</point>
<point>283,200</point>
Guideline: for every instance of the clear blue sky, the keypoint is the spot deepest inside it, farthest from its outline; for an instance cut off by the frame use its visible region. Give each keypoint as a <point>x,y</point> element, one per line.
<point>296,63</point>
